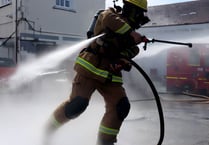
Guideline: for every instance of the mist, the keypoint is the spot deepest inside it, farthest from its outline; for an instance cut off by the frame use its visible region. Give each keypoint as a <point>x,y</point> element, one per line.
<point>28,71</point>
<point>35,91</point>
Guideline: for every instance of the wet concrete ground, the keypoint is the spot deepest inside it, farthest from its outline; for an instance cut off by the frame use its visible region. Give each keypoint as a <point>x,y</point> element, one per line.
<point>186,123</point>
<point>23,116</point>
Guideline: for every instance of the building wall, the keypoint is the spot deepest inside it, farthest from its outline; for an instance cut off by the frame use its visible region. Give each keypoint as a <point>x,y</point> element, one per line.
<point>43,16</point>
<point>6,21</point>
<point>41,21</point>
<point>46,18</point>
<point>179,13</point>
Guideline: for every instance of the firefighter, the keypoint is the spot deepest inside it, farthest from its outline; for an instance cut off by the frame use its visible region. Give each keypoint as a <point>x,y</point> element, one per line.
<point>99,68</point>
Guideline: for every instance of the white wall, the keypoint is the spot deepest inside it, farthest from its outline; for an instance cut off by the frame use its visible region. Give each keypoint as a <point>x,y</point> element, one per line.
<point>54,20</point>
<point>42,15</point>
<point>6,21</point>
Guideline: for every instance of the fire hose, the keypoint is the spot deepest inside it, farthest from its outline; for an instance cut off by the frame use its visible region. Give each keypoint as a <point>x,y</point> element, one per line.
<point>154,90</point>
<point>157,99</point>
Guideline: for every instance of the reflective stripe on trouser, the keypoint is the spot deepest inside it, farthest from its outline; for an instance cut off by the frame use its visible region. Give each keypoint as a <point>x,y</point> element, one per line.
<point>54,121</point>
<point>99,72</point>
<point>107,130</point>
<point>107,135</point>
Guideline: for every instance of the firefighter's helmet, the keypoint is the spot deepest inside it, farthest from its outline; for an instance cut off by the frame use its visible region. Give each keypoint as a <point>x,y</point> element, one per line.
<point>139,3</point>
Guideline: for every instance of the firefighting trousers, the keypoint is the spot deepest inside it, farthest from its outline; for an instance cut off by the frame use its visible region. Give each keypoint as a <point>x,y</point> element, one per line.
<point>116,103</point>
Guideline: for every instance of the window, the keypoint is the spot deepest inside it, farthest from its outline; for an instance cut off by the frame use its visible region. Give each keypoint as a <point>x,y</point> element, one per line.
<point>194,57</point>
<point>5,2</point>
<point>6,62</point>
<point>65,5</point>
<point>206,59</point>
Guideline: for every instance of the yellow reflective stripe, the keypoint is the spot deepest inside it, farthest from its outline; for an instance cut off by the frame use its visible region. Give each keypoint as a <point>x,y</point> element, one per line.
<point>183,78</point>
<point>177,78</point>
<point>117,79</point>
<point>123,29</point>
<point>97,71</point>
<point>202,79</point>
<point>171,77</point>
<point>194,65</point>
<point>109,131</point>
<point>92,68</point>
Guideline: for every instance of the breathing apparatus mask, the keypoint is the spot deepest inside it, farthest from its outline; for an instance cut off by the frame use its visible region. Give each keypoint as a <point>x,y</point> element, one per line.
<point>134,11</point>
<point>136,16</point>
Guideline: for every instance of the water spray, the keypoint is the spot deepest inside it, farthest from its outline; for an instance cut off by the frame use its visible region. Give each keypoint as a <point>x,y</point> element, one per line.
<point>31,70</point>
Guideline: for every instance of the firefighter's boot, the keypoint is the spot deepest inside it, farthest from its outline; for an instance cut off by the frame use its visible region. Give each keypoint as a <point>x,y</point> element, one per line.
<point>104,143</point>
<point>66,111</point>
<point>56,120</point>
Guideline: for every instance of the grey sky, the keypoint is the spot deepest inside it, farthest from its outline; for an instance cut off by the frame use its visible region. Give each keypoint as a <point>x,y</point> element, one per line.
<point>150,2</point>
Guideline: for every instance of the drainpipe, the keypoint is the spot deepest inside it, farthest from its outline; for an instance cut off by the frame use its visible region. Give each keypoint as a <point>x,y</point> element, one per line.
<point>16,49</point>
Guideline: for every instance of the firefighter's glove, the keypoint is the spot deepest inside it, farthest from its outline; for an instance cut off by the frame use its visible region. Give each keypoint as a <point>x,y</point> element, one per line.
<point>115,67</point>
<point>122,64</point>
<point>145,39</point>
<point>126,64</point>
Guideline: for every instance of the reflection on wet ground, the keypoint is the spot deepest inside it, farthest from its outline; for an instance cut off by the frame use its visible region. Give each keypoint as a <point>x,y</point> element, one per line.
<point>186,122</point>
